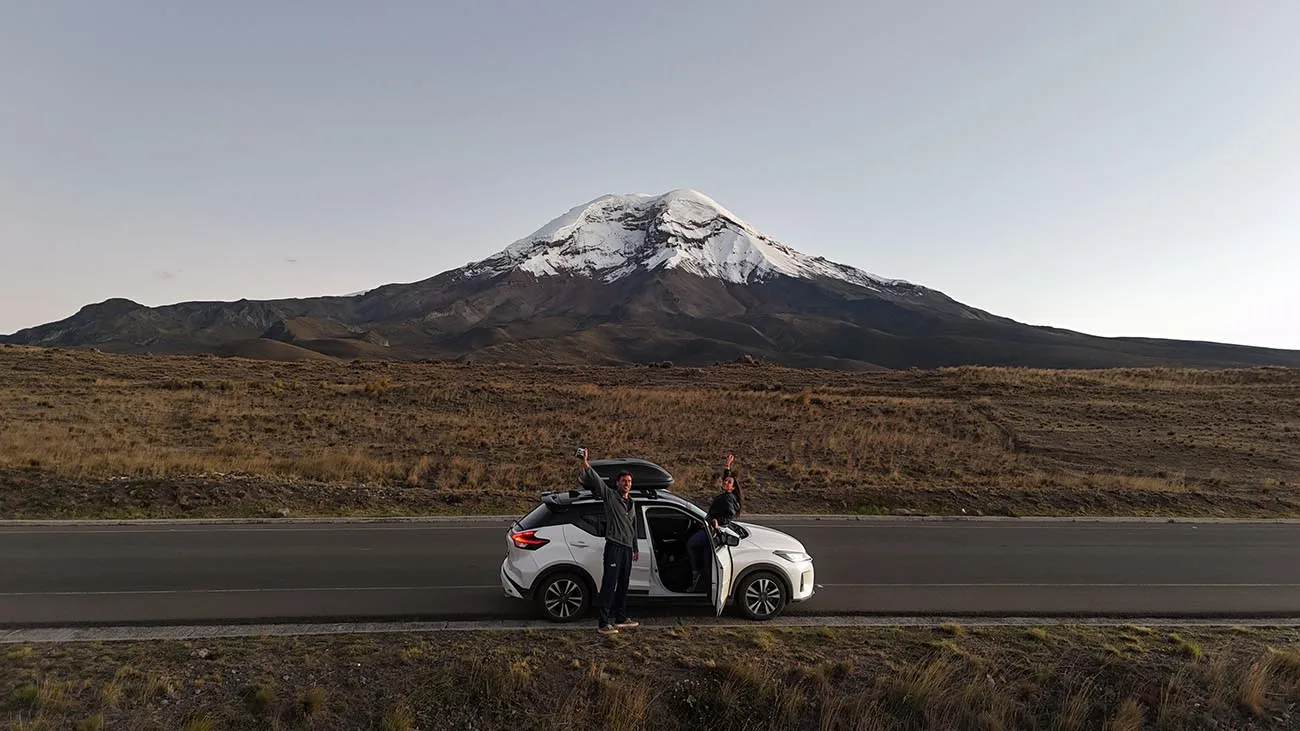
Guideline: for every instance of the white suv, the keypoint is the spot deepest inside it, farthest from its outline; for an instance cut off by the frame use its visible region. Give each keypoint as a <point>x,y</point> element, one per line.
<point>554,553</point>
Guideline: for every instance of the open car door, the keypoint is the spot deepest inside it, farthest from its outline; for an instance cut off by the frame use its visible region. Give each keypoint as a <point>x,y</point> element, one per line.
<point>722,570</point>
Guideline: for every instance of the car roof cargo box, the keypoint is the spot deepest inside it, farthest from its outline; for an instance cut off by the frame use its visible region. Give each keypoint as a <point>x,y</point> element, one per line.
<point>645,475</point>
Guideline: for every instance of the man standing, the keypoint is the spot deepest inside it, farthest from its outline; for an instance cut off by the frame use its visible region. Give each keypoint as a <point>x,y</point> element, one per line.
<point>620,545</point>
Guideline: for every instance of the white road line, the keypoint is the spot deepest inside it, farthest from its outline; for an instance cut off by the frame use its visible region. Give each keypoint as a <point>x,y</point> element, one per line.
<point>481,587</point>
<point>264,590</point>
<point>1065,586</point>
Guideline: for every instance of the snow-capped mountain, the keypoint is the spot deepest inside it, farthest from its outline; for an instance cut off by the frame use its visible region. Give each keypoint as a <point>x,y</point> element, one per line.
<point>630,279</point>
<point>614,236</point>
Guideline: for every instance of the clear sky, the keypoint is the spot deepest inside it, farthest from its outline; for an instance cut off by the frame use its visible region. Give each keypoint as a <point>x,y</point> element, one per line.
<point>1122,167</point>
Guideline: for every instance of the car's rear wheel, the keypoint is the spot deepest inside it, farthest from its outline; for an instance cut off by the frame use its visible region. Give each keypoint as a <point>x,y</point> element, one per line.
<point>563,597</point>
<point>761,596</point>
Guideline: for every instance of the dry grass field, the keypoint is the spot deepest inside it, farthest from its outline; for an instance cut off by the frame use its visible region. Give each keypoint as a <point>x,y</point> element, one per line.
<point>1053,678</point>
<point>89,434</point>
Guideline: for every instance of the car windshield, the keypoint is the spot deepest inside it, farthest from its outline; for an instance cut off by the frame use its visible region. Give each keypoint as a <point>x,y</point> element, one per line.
<point>678,502</point>
<point>690,507</point>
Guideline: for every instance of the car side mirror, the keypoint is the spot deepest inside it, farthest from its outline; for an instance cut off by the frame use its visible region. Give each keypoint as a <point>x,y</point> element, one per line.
<point>729,538</point>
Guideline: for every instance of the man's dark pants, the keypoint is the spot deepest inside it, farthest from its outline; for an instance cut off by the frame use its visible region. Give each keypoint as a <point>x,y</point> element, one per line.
<point>613,586</point>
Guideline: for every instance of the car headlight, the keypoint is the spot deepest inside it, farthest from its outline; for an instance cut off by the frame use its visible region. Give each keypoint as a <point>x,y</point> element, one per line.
<point>793,556</point>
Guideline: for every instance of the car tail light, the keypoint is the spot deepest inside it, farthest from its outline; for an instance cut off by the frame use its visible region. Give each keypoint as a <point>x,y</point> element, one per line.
<point>528,540</point>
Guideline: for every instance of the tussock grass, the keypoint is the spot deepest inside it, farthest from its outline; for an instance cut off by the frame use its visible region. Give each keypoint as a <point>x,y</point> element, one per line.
<point>1269,681</point>
<point>154,685</point>
<point>764,640</point>
<point>24,696</point>
<point>111,693</point>
<point>1255,685</point>
<point>919,685</point>
<point>261,697</point>
<point>1128,717</point>
<point>1186,647</point>
<point>1287,658</point>
<point>202,722</point>
<point>18,652</point>
<point>312,702</point>
<point>42,695</point>
<point>397,719</point>
<point>1076,709</point>
<point>196,435</point>
<point>623,706</point>
<point>753,696</point>
<point>858,678</point>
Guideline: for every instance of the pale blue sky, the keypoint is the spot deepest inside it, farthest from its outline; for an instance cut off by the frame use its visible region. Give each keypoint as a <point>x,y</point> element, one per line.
<point>1117,167</point>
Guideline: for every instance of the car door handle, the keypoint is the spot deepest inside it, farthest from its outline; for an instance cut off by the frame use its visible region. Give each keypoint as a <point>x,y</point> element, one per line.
<point>580,544</point>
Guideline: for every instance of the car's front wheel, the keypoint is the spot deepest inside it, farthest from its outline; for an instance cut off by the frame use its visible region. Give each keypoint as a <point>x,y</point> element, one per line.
<point>761,596</point>
<point>563,597</point>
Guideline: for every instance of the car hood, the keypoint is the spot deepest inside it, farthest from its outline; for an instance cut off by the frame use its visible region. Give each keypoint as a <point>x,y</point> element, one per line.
<point>772,540</point>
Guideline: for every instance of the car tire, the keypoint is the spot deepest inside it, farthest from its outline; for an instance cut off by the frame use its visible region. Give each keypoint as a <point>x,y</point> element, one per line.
<point>563,597</point>
<point>761,596</point>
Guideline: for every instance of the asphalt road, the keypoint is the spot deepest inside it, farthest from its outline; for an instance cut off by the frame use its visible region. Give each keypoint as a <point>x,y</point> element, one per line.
<point>230,573</point>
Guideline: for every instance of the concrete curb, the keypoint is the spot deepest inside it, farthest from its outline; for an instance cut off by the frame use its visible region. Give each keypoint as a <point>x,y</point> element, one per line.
<point>196,632</point>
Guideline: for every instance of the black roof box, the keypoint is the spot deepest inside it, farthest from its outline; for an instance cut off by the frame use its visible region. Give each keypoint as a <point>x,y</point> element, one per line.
<point>644,474</point>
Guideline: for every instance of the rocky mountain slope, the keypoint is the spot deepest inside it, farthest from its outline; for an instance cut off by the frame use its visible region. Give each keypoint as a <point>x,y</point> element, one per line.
<point>631,279</point>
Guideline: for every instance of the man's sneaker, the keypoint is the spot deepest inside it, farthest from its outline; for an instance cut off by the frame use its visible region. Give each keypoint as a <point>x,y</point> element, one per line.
<point>608,629</point>
<point>627,623</point>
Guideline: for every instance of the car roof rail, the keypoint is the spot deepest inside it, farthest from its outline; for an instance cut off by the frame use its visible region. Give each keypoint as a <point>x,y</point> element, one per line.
<point>565,498</point>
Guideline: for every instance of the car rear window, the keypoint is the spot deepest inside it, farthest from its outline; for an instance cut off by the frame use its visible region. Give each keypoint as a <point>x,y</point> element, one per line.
<point>590,518</point>
<point>540,517</point>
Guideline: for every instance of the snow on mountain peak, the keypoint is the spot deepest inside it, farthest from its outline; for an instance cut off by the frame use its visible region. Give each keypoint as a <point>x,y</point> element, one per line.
<point>616,235</point>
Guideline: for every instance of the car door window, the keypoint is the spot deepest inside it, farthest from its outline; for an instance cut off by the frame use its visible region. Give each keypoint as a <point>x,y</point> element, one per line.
<point>640,521</point>
<point>592,520</point>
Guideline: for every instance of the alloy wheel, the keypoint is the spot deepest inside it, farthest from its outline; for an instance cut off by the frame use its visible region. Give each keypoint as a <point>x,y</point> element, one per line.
<point>762,597</point>
<point>563,598</point>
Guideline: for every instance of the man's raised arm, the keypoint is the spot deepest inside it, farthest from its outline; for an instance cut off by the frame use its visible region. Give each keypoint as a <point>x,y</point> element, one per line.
<point>589,478</point>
